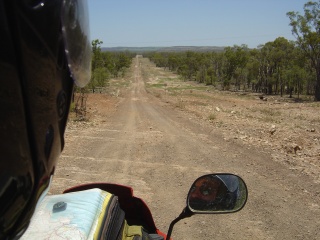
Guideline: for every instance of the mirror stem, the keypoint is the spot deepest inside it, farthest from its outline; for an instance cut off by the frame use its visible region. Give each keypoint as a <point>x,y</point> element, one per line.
<point>185,213</point>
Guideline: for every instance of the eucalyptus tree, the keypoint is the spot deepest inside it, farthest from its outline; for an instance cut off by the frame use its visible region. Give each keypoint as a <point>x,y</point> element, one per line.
<point>295,79</point>
<point>189,65</point>
<point>275,59</point>
<point>160,59</point>
<point>281,56</point>
<point>236,61</point>
<point>266,68</point>
<point>97,60</point>
<point>122,61</point>
<point>306,29</point>
<point>215,67</point>
<point>297,73</point>
<point>174,61</point>
<point>253,70</point>
<point>203,62</point>
<point>96,65</point>
<point>109,62</point>
<point>106,64</point>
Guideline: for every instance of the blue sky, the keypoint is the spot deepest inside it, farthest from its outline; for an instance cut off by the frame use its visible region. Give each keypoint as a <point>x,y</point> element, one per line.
<point>143,23</point>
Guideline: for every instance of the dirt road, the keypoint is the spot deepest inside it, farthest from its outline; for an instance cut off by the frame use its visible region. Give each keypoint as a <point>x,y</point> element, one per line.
<point>141,140</point>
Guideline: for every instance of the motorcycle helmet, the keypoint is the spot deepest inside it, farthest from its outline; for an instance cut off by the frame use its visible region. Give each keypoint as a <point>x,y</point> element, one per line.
<point>44,49</point>
<point>205,193</point>
<point>214,193</point>
<point>230,196</point>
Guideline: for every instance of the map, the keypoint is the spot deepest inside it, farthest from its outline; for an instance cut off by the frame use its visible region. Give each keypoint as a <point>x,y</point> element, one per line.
<point>68,216</point>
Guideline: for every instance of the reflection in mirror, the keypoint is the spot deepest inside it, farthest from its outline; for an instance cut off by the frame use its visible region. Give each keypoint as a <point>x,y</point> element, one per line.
<point>217,193</point>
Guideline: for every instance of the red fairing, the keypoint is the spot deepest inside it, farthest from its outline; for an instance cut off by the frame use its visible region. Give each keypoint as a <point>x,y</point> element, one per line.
<point>162,234</point>
<point>136,210</point>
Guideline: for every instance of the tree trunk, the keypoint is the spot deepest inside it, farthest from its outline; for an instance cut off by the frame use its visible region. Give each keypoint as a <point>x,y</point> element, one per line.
<point>269,89</point>
<point>317,88</point>
<point>291,90</point>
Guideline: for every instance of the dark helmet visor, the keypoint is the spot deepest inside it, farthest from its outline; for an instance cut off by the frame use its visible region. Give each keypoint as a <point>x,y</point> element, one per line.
<point>75,27</point>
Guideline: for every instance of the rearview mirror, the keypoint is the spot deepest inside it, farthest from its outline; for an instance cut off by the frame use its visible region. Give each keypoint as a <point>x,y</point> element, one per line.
<point>217,193</point>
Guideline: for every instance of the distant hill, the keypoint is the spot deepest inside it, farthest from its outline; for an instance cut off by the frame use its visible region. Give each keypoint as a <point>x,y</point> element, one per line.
<point>164,49</point>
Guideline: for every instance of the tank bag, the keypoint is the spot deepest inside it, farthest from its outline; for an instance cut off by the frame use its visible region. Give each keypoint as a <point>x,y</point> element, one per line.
<point>90,214</point>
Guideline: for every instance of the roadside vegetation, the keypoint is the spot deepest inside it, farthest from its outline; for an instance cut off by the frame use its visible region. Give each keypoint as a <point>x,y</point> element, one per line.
<point>280,67</point>
<point>107,65</point>
<point>104,66</point>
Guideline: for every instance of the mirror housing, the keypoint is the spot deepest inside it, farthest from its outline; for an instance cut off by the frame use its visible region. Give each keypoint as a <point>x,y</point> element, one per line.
<point>217,193</point>
<point>213,194</point>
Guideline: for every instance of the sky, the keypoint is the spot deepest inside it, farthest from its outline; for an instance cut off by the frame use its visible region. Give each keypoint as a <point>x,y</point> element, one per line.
<point>162,23</point>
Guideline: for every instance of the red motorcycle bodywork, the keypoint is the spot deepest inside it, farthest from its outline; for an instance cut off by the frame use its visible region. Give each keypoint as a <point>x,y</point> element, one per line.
<point>136,210</point>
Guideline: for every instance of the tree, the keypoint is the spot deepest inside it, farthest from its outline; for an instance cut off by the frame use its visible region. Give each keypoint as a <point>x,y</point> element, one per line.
<point>253,67</point>
<point>295,76</point>
<point>99,78</point>
<point>237,59</point>
<point>123,61</point>
<point>97,60</point>
<point>306,29</point>
<point>281,57</point>
<point>174,62</point>
<point>189,65</point>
